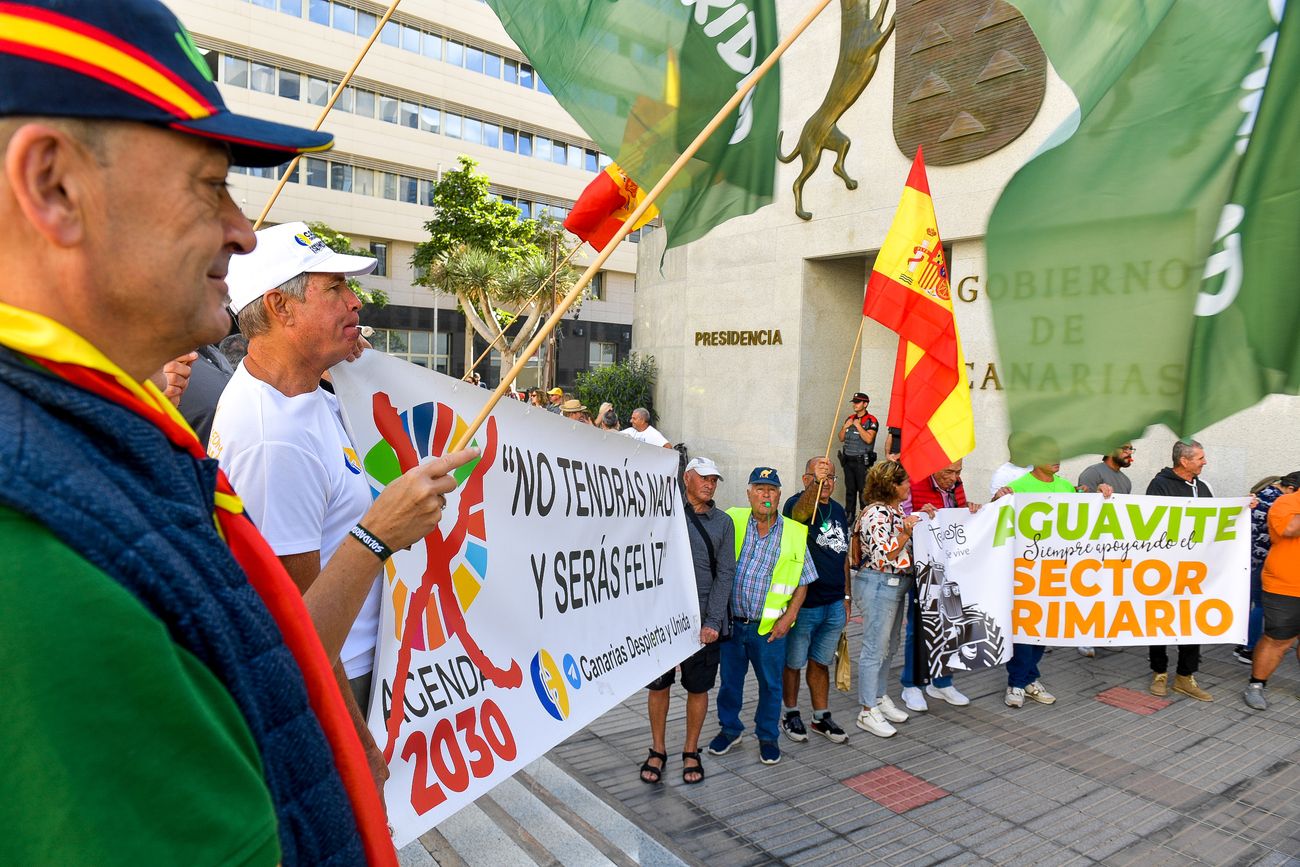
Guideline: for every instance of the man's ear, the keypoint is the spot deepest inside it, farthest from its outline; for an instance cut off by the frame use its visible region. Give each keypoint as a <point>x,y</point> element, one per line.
<point>278,307</point>
<point>50,177</point>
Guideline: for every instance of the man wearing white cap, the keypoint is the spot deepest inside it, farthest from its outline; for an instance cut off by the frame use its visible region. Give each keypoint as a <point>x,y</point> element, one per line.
<point>713,552</point>
<point>278,433</point>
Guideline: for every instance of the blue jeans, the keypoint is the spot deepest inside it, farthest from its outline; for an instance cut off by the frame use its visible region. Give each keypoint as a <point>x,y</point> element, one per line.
<point>1256,621</point>
<point>814,635</point>
<point>909,647</point>
<point>745,648</point>
<point>881,607</point>
<point>1022,668</point>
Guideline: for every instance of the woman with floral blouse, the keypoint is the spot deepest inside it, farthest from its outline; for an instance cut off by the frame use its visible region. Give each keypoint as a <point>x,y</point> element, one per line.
<point>879,588</point>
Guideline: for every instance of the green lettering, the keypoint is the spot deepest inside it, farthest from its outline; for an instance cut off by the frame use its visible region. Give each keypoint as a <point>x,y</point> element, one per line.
<point>1227,529</point>
<point>1006,526</point>
<point>1175,523</point>
<point>1143,530</point>
<point>1027,514</point>
<point>1198,514</point>
<point>1080,514</point>
<point>1107,523</point>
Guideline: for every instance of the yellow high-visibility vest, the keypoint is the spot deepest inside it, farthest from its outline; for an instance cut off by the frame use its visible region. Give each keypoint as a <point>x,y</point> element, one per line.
<point>789,565</point>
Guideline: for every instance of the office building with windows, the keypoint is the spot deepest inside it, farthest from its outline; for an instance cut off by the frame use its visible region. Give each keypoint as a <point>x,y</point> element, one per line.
<point>443,79</point>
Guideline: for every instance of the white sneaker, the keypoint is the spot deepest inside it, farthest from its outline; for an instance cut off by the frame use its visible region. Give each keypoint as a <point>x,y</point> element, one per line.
<point>1039,693</point>
<point>915,699</point>
<point>870,720</point>
<point>1089,652</point>
<point>948,693</point>
<point>889,710</point>
<point>1015,697</point>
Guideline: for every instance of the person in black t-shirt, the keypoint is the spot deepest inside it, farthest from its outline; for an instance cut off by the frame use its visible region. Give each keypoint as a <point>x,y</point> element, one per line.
<point>858,452</point>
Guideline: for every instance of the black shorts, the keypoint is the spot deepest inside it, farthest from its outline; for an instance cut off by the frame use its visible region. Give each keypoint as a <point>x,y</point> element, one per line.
<point>1281,615</point>
<point>699,671</point>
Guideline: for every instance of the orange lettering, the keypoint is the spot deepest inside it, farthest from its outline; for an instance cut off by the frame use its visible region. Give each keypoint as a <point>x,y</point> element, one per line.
<point>1024,618</point>
<point>1203,620</point>
<point>1190,575</point>
<point>1163,577</point>
<point>1080,586</point>
<point>1093,625</point>
<point>1024,577</point>
<point>1052,579</point>
<point>1125,620</point>
<point>1160,618</point>
<point>1117,569</point>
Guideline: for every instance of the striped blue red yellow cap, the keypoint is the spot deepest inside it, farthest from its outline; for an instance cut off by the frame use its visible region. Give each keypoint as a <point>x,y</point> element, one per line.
<point>127,60</point>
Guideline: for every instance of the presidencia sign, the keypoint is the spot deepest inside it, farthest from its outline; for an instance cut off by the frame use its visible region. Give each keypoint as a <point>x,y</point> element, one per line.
<point>1082,570</point>
<point>558,583</point>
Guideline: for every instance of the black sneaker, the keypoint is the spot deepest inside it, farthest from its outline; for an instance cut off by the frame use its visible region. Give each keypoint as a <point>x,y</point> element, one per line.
<point>827,728</point>
<point>1244,655</point>
<point>792,725</point>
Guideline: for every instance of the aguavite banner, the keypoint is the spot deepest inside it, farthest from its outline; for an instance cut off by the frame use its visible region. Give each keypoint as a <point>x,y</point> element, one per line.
<point>558,583</point>
<point>1080,569</point>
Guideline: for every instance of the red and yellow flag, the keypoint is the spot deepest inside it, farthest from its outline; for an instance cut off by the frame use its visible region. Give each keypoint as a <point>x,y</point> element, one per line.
<point>604,205</point>
<point>908,293</point>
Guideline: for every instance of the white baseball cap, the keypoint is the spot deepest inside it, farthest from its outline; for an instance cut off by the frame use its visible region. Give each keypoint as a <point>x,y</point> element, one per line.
<point>704,467</point>
<point>282,253</point>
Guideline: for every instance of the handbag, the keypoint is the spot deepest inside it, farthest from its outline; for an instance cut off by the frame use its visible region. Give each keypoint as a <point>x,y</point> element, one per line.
<point>843,668</point>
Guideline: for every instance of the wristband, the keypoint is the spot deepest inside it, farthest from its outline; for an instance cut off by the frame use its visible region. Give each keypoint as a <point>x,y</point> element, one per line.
<point>371,541</point>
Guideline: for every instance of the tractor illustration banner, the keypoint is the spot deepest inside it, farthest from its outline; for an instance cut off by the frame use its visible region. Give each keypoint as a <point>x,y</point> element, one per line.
<point>558,583</point>
<point>1079,569</point>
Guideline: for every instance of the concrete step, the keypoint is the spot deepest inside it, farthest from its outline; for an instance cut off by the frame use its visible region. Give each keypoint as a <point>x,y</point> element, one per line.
<point>541,816</point>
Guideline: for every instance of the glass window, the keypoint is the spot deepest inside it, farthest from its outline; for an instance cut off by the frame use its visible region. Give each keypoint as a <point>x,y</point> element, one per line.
<point>420,342</point>
<point>473,130</point>
<point>345,100</point>
<point>601,354</point>
<point>603,161</point>
<point>379,249</point>
<point>213,60</point>
<point>451,125</point>
<point>542,147</point>
<point>541,85</point>
<point>431,46</point>
<point>410,114</point>
<point>366,23</point>
<point>318,11</point>
<point>508,139</point>
<point>590,161</point>
<point>511,71</point>
<point>290,84</point>
<point>492,65</point>
<point>430,119</point>
<point>455,53</point>
<point>318,91</point>
<point>473,59</point>
<point>363,182</point>
<point>364,103</point>
<point>596,288</point>
<point>491,135</point>
<point>559,153</point>
<point>391,34</point>
<point>409,190</point>
<point>524,209</point>
<point>410,39</point>
<point>340,177</point>
<point>387,109</point>
<point>345,18</point>
<point>263,172</point>
<point>265,4</point>
<point>234,71</point>
<point>291,7</point>
<point>390,184</point>
<point>426,192</point>
<point>262,78</point>
<point>317,172</point>
<point>293,176</point>
<point>525,144</point>
<point>525,75</point>
<point>397,341</point>
<point>575,158</point>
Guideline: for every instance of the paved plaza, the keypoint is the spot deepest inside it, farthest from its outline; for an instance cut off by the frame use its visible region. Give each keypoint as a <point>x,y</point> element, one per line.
<point>1109,774</point>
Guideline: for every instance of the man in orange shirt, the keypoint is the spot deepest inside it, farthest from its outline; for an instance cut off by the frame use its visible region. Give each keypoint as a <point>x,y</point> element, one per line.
<point>1280,598</point>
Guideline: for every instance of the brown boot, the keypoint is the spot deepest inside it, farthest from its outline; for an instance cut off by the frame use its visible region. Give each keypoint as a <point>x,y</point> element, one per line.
<point>1160,684</point>
<point>1188,686</point>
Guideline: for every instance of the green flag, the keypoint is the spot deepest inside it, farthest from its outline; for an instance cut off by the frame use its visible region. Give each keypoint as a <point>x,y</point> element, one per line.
<point>643,77</point>
<point>1142,268</point>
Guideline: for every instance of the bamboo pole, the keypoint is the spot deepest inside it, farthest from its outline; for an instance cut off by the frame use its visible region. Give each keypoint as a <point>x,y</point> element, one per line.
<point>576,292</point>
<point>293,164</point>
<point>835,422</point>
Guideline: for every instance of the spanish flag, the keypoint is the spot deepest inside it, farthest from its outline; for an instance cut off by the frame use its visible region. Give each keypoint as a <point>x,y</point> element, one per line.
<point>908,293</point>
<point>604,205</point>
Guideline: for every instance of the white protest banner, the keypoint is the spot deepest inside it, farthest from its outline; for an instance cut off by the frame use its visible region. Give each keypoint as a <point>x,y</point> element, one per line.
<point>1128,570</point>
<point>963,584</point>
<point>558,583</point>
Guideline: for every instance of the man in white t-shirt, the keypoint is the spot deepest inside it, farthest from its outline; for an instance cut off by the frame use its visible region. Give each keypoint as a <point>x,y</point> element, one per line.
<point>278,432</point>
<point>1013,469</point>
<point>642,431</point>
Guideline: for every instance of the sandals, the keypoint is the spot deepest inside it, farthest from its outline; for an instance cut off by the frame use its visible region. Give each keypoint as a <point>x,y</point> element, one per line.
<point>651,774</point>
<point>692,775</point>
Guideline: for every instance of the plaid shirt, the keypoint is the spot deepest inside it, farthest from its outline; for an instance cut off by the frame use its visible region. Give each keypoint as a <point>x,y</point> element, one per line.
<point>754,567</point>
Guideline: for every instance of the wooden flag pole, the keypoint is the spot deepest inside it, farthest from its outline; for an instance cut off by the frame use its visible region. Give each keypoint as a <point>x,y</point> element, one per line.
<point>576,292</point>
<point>835,422</point>
<point>293,164</point>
